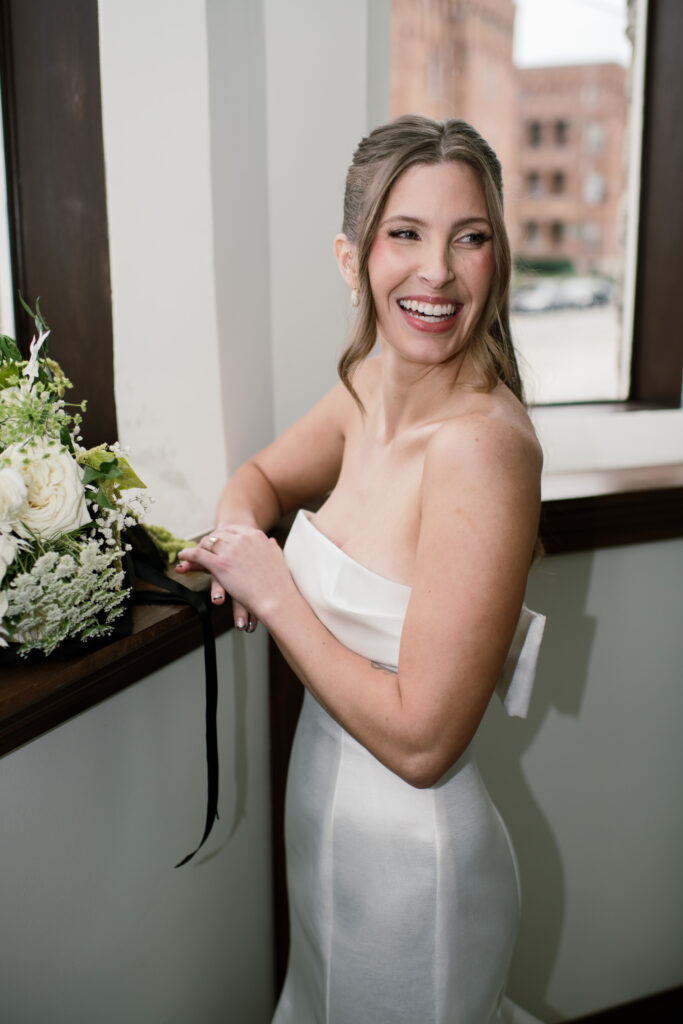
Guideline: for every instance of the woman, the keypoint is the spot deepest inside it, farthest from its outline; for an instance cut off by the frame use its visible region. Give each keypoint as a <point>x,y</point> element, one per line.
<point>398,601</point>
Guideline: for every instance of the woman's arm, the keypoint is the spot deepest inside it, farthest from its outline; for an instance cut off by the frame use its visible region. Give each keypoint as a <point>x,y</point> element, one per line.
<point>301,464</point>
<point>479,509</point>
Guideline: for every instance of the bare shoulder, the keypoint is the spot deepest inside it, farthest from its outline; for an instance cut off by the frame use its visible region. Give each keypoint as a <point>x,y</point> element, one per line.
<point>493,433</point>
<point>482,479</point>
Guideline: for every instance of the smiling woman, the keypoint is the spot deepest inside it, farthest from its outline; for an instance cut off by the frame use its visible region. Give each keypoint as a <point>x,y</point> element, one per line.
<point>399,604</point>
<point>447,250</point>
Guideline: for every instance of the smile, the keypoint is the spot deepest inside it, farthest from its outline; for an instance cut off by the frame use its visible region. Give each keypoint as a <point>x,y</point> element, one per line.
<point>427,311</point>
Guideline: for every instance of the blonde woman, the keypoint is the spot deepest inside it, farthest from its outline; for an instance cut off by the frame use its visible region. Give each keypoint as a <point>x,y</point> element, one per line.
<point>399,604</point>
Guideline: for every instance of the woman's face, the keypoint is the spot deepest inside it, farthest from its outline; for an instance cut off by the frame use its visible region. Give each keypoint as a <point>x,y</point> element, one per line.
<point>431,263</point>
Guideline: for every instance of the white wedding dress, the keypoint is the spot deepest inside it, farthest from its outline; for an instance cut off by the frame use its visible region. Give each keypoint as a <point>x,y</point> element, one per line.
<point>404,903</point>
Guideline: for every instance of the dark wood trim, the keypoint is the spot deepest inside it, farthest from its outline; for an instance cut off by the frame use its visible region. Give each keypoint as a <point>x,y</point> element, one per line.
<point>39,695</point>
<point>585,511</point>
<point>662,1008</point>
<point>51,97</point>
<point>657,361</point>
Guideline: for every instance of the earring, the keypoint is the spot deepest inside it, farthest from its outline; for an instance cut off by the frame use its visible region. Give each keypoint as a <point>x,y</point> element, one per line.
<point>355,298</point>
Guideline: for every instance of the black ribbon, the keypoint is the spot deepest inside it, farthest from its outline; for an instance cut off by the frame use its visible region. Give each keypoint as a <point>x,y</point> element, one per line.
<point>172,592</point>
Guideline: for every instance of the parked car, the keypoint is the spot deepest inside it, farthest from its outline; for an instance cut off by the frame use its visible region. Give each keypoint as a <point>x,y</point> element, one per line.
<point>562,293</point>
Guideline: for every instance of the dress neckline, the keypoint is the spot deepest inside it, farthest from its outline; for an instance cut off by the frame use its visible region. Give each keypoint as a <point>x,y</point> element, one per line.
<point>304,516</point>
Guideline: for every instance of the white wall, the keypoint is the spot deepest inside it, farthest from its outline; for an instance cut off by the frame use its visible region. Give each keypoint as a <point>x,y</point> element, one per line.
<point>317,113</point>
<point>155,109</point>
<point>590,784</point>
<point>97,925</point>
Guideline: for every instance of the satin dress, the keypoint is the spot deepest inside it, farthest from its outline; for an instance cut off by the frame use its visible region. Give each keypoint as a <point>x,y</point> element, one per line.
<point>404,902</point>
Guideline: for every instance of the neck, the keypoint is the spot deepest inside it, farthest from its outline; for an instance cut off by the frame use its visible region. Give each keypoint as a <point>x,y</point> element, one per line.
<point>414,395</point>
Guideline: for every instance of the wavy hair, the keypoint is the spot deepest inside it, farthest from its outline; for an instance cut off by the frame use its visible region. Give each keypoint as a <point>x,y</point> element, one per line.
<point>379,161</point>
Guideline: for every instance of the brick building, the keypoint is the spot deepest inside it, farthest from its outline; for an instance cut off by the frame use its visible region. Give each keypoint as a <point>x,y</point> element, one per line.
<point>571,174</point>
<point>559,131</point>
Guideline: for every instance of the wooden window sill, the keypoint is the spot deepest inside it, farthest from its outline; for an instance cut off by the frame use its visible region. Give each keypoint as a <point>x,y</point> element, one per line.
<point>39,695</point>
<point>581,512</point>
<point>585,511</point>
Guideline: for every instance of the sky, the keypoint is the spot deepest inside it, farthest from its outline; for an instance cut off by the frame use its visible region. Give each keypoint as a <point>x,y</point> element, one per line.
<point>570,32</point>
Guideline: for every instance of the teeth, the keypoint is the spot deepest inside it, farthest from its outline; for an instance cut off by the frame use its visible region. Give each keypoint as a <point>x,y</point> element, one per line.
<point>427,308</point>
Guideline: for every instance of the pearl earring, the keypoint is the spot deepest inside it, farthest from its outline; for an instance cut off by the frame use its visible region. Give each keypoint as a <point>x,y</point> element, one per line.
<point>355,297</point>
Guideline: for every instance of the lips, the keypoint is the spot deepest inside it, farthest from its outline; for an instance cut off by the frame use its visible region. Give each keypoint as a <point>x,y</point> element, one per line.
<point>426,314</point>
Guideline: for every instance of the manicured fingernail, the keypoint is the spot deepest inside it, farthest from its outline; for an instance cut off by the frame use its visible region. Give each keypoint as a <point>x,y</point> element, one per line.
<point>239,622</point>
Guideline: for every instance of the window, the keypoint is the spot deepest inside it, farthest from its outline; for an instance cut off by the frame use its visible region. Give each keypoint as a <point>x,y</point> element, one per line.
<point>548,121</point>
<point>594,137</point>
<point>557,232</point>
<point>558,182</point>
<point>561,132</point>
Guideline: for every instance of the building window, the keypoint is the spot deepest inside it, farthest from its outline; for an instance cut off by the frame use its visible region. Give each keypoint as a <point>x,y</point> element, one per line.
<point>561,132</point>
<point>534,133</point>
<point>558,182</point>
<point>533,184</point>
<point>594,188</point>
<point>531,232</point>
<point>557,232</point>
<point>594,137</point>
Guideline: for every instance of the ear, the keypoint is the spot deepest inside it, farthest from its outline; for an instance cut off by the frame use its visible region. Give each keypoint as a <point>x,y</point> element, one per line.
<point>345,253</point>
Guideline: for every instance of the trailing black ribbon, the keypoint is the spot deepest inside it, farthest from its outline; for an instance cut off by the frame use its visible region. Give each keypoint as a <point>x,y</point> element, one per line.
<point>176,593</point>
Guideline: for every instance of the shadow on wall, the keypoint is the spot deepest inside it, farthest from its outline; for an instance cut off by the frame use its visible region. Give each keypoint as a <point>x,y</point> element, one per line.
<point>501,745</point>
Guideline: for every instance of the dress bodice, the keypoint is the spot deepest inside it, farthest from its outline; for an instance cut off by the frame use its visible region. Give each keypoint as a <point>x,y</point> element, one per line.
<point>365,611</point>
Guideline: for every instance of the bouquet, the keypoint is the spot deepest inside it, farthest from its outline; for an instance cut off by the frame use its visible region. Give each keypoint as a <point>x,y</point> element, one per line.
<point>63,509</point>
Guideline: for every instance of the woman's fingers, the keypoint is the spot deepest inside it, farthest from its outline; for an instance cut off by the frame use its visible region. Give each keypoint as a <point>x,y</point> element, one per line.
<point>196,558</point>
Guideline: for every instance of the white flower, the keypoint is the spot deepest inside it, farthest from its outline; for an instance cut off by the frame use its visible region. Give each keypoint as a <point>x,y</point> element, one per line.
<point>8,550</point>
<point>55,500</point>
<point>12,494</point>
<point>31,369</point>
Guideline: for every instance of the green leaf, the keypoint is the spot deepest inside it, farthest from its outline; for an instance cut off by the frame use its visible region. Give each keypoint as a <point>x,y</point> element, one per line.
<point>10,349</point>
<point>102,499</point>
<point>65,438</point>
<point>105,471</point>
<point>129,477</point>
<point>37,317</point>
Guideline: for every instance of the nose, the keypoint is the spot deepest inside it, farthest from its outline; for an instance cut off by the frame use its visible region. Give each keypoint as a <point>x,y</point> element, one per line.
<point>436,269</point>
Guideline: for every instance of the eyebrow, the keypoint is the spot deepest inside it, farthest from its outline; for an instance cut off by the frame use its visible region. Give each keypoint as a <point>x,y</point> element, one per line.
<point>407,219</point>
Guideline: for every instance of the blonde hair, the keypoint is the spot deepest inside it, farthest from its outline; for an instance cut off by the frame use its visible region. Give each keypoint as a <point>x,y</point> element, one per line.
<point>379,161</point>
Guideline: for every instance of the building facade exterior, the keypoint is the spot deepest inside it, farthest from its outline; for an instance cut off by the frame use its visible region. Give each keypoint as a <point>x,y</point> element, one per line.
<point>559,131</point>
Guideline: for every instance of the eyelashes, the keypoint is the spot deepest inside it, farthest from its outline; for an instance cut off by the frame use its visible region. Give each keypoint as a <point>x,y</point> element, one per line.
<point>472,239</point>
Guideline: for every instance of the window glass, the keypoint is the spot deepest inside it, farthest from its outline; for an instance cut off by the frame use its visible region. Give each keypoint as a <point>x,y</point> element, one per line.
<point>548,85</point>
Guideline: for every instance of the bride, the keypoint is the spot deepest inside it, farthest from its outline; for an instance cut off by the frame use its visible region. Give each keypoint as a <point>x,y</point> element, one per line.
<point>399,604</point>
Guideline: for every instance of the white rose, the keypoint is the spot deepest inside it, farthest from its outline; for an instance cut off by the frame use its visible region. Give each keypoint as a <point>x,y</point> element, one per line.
<point>8,549</point>
<point>12,494</point>
<point>55,499</point>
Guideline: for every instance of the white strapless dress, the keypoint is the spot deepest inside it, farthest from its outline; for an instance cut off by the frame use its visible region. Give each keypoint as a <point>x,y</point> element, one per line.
<point>404,902</point>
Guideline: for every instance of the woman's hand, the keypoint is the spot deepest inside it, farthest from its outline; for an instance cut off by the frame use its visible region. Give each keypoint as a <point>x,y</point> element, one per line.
<point>243,562</point>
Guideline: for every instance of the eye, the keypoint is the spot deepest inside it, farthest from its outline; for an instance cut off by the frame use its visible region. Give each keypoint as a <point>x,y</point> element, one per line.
<point>474,239</point>
<point>408,234</point>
